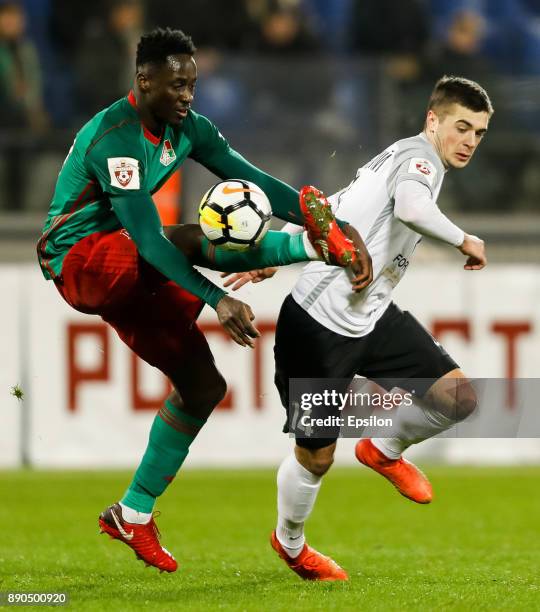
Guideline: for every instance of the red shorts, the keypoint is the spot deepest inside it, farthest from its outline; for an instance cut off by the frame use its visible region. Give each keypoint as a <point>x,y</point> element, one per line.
<point>103,274</point>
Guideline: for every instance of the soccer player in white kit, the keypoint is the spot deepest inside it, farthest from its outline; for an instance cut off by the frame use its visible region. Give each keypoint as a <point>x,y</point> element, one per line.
<point>327,331</point>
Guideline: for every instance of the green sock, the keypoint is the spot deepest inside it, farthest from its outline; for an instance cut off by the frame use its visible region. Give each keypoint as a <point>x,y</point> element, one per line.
<point>170,437</point>
<point>275,249</point>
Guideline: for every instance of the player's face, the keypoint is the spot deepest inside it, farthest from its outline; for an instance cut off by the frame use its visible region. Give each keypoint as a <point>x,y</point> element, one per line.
<point>171,89</point>
<point>457,133</point>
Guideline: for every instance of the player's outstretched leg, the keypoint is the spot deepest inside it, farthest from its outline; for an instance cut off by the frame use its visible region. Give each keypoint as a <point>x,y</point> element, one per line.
<point>323,231</point>
<point>143,539</point>
<point>275,249</point>
<point>310,564</point>
<point>403,474</point>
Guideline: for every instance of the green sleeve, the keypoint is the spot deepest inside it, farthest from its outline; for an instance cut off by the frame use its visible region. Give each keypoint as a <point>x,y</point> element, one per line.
<point>138,215</point>
<point>212,151</point>
<point>117,164</point>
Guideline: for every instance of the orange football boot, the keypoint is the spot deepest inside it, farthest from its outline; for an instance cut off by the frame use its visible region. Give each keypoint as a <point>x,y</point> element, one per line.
<point>323,231</point>
<point>143,539</point>
<point>310,564</point>
<point>403,474</point>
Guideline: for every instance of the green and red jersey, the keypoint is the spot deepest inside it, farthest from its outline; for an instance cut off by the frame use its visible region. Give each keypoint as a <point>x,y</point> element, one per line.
<point>114,155</point>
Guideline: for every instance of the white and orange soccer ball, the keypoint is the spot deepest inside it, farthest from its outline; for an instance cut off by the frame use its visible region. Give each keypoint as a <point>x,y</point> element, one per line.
<point>235,214</point>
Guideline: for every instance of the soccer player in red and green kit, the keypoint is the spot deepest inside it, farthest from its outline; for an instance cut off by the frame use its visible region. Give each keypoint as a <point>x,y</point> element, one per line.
<point>105,249</point>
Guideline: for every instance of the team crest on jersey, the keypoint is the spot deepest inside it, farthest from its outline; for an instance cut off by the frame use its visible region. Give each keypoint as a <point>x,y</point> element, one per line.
<point>124,172</point>
<point>167,154</point>
<point>424,167</point>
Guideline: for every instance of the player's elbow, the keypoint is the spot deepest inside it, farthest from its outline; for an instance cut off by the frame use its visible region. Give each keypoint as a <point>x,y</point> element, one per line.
<point>409,215</point>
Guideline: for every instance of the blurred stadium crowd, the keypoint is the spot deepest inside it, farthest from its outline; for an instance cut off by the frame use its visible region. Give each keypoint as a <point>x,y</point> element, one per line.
<point>338,75</point>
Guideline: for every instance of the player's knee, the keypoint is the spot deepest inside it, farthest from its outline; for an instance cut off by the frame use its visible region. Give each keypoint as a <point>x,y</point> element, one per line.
<point>320,465</point>
<point>220,389</point>
<point>203,399</point>
<point>454,398</point>
<point>466,401</point>
<point>317,461</point>
<point>213,392</point>
<point>458,403</point>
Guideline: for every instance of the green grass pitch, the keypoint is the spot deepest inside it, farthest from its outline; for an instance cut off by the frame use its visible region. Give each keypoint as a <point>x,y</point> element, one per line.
<point>476,547</point>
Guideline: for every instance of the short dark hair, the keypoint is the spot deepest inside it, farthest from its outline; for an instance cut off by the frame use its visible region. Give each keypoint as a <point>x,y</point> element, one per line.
<point>158,44</point>
<point>458,90</point>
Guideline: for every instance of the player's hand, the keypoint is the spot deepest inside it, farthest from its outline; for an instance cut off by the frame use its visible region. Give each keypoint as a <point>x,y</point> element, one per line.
<point>241,278</point>
<point>362,268</point>
<point>236,318</point>
<point>475,250</point>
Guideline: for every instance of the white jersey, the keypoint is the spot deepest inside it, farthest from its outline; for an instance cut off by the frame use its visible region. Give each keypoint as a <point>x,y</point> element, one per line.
<point>368,205</point>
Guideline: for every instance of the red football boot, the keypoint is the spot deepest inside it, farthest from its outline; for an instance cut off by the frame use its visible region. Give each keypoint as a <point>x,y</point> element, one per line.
<point>143,539</point>
<point>323,231</point>
<point>310,564</point>
<point>403,474</point>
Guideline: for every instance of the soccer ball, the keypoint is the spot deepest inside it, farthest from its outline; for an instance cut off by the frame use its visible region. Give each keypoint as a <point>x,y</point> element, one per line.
<point>235,214</point>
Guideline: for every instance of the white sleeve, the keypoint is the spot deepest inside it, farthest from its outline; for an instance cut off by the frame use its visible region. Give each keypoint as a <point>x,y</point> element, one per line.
<point>292,228</point>
<point>416,209</point>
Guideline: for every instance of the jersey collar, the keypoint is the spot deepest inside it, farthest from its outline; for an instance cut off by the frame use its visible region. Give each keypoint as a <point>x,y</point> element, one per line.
<point>147,133</point>
<point>424,137</point>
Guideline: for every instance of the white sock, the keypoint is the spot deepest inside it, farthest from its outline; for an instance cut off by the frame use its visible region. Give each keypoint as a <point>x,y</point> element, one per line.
<point>310,249</point>
<point>297,492</point>
<point>412,424</point>
<point>390,447</point>
<point>133,516</point>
